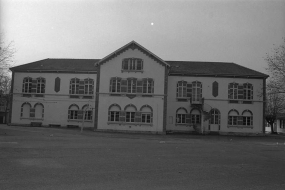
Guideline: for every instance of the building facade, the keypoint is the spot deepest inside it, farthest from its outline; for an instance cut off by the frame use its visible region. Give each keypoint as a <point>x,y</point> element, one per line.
<point>133,90</point>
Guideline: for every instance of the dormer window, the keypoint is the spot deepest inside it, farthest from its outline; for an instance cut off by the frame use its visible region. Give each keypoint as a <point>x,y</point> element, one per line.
<point>132,64</point>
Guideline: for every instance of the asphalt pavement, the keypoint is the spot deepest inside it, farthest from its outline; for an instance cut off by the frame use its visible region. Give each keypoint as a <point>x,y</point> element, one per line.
<point>57,158</point>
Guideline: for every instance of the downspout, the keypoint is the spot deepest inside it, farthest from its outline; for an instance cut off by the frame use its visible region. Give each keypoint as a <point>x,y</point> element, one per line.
<point>264,105</point>
<point>97,98</point>
<point>11,99</point>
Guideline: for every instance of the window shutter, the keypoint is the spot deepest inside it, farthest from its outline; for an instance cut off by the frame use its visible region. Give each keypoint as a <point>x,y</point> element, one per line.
<point>81,87</point>
<point>152,86</point>
<point>151,117</point>
<point>34,85</point>
<point>240,120</point>
<point>122,116</point>
<point>240,91</point>
<point>124,85</point>
<point>251,121</point>
<point>189,90</point>
<point>32,112</point>
<point>110,89</point>
<point>138,117</point>
<point>230,95</point>
<point>68,114</point>
<point>80,114</point>
<point>188,118</point>
<point>109,115</point>
<point>134,85</point>
<point>139,86</point>
<point>251,95</point>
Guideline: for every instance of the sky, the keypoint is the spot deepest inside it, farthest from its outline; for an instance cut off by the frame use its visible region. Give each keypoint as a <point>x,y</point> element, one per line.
<point>218,31</point>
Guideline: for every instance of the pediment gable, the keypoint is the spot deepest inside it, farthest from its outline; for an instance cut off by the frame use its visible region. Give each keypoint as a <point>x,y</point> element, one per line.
<point>132,45</point>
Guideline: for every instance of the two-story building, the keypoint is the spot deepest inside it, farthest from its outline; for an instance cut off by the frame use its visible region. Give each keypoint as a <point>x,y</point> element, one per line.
<point>133,90</point>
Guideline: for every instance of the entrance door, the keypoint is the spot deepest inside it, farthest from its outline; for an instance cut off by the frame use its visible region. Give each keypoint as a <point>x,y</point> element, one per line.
<point>215,120</point>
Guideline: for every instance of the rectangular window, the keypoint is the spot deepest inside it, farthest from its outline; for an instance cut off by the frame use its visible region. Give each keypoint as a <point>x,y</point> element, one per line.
<point>88,115</point>
<point>181,118</point>
<point>114,115</point>
<point>130,117</point>
<point>195,119</point>
<point>146,118</point>
<point>73,114</point>
<point>232,120</point>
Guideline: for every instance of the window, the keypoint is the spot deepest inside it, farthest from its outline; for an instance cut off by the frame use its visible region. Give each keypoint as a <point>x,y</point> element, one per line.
<point>146,114</point>
<point>130,113</point>
<point>196,91</point>
<point>115,84</point>
<point>132,85</point>
<point>132,64</point>
<point>247,91</point>
<point>148,85</point>
<point>73,111</point>
<point>87,112</point>
<point>215,89</point>
<point>25,110</point>
<point>2,105</point>
<point>27,85</point>
<point>195,116</point>
<point>181,89</point>
<point>247,118</point>
<point>215,116</point>
<point>74,86</point>
<point>88,86</point>
<point>282,123</point>
<point>39,110</point>
<point>114,113</point>
<point>181,115</point>
<point>233,117</point>
<point>233,91</point>
<point>41,82</point>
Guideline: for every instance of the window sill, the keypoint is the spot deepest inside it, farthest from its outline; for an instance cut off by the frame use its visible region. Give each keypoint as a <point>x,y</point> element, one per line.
<point>32,118</point>
<point>241,126</point>
<point>125,123</point>
<point>130,94</point>
<point>182,99</point>
<point>81,96</point>
<point>184,125</point>
<point>134,71</point>
<point>240,101</point>
<point>79,120</point>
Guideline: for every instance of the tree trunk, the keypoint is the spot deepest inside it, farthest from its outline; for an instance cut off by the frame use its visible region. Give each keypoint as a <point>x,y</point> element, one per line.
<point>272,128</point>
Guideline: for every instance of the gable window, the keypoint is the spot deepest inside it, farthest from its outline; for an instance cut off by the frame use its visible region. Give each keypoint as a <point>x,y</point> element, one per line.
<point>27,85</point>
<point>233,117</point>
<point>247,118</point>
<point>41,84</point>
<point>196,91</point>
<point>148,85</point>
<point>88,86</point>
<point>114,113</point>
<point>215,116</point>
<point>132,64</point>
<point>195,116</point>
<point>181,115</point>
<point>115,84</point>
<point>181,91</point>
<point>247,91</point>
<point>74,86</point>
<point>73,112</point>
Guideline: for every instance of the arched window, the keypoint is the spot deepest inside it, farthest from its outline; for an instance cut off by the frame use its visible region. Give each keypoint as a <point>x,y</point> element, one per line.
<point>73,112</point>
<point>130,113</point>
<point>247,91</point>
<point>41,85</point>
<point>87,112</point>
<point>114,112</point>
<point>88,86</point>
<point>39,110</point>
<point>196,91</point>
<point>181,114</point>
<point>25,110</point>
<point>74,86</point>
<point>147,85</point>
<point>181,91</point>
<point>247,118</point>
<point>115,84</point>
<point>195,116</point>
<point>233,117</point>
<point>146,114</point>
<point>27,85</point>
<point>215,116</point>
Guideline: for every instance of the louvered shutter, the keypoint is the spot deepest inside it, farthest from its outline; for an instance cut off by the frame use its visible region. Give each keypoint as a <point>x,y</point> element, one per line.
<point>32,112</point>
<point>139,86</point>
<point>69,114</point>
<point>34,85</point>
<point>189,90</point>
<point>80,114</point>
<point>240,120</point>
<point>151,117</point>
<point>138,117</point>
<point>81,87</point>
<point>109,115</point>
<point>188,118</point>
<point>230,93</point>
<point>122,116</point>
<point>251,95</point>
<point>124,85</point>
<point>240,92</point>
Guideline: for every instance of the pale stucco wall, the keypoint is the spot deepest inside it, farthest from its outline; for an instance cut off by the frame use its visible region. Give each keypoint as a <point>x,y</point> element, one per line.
<point>56,104</point>
<point>151,69</point>
<point>220,102</point>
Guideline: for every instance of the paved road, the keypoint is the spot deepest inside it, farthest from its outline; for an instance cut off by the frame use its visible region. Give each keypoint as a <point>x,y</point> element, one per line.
<point>49,158</point>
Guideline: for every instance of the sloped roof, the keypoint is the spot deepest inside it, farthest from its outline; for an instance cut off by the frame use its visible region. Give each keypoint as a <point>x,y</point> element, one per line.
<point>60,65</point>
<point>211,69</point>
<point>133,45</point>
